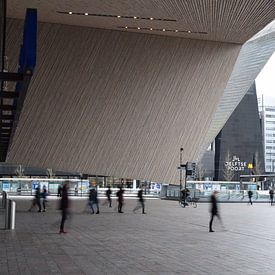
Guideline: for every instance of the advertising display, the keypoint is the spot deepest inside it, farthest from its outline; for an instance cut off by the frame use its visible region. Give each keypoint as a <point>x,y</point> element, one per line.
<point>6,186</point>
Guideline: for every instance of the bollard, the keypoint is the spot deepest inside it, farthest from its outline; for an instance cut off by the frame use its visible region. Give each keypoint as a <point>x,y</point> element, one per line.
<point>10,215</point>
<point>4,199</point>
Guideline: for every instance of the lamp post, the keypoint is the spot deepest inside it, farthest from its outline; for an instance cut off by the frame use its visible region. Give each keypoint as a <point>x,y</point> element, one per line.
<point>181,150</point>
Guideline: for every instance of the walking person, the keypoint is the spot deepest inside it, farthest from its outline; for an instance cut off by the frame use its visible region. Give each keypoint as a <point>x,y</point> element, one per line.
<point>93,200</point>
<point>271,195</point>
<point>64,206</point>
<point>36,200</point>
<point>120,199</point>
<point>108,194</point>
<point>59,191</point>
<point>140,203</point>
<point>250,194</point>
<point>214,210</point>
<point>44,195</point>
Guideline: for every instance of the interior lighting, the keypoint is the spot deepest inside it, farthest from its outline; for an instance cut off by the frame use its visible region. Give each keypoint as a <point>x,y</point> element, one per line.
<point>118,16</point>
<point>189,31</point>
<point>176,30</point>
<point>126,27</point>
<point>151,18</point>
<point>70,12</point>
<point>138,28</point>
<point>135,17</point>
<point>163,30</point>
<point>86,13</point>
<point>151,29</point>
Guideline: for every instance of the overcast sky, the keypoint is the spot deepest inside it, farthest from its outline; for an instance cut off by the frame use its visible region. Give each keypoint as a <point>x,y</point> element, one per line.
<point>265,82</point>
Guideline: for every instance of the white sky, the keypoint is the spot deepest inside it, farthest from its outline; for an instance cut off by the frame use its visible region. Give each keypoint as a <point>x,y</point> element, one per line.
<point>265,82</point>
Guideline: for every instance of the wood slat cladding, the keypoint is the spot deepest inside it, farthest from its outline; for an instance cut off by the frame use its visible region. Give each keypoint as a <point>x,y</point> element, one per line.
<point>232,21</point>
<point>115,103</point>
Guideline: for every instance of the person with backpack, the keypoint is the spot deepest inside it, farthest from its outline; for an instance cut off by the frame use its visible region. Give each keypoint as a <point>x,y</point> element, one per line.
<point>93,200</point>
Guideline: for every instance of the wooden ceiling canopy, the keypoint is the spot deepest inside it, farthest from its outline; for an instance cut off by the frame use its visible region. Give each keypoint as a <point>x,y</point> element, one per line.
<point>218,20</point>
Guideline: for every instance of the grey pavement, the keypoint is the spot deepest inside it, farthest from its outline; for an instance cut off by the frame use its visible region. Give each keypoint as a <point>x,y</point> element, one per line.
<point>167,240</point>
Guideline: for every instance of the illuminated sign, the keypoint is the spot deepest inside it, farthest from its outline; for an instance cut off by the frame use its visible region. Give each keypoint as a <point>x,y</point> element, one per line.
<point>235,164</point>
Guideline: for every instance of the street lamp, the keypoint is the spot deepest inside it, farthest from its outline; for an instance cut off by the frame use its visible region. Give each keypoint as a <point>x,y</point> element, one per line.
<point>181,151</point>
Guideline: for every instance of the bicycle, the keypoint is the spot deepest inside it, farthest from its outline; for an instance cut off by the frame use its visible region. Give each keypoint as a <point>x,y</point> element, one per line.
<point>189,200</point>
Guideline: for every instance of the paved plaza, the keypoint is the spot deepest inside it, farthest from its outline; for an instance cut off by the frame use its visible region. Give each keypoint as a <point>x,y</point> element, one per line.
<point>167,240</point>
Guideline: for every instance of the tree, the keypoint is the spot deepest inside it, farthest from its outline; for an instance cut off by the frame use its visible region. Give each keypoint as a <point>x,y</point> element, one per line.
<point>200,171</point>
<point>257,165</point>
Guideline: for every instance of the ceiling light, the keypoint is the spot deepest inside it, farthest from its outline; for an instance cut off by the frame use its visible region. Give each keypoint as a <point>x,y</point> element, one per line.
<point>151,18</point>
<point>151,29</point>
<point>118,16</point>
<point>86,13</point>
<point>70,12</point>
<point>176,30</point>
<point>126,27</point>
<point>135,17</point>
<point>189,31</point>
<point>138,28</point>
<point>163,30</point>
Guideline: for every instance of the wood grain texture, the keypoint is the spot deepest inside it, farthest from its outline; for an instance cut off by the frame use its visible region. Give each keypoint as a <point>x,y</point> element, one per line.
<point>224,20</point>
<point>114,103</point>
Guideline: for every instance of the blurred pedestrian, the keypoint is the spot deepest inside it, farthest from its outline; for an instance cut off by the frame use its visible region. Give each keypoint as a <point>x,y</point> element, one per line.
<point>250,195</point>
<point>59,190</point>
<point>64,206</point>
<point>214,210</point>
<point>36,200</point>
<point>140,203</point>
<point>44,195</point>
<point>93,200</point>
<point>120,199</point>
<point>271,195</point>
<point>108,194</point>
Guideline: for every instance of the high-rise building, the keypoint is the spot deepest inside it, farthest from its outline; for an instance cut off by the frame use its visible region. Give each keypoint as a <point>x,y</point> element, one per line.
<point>267,114</point>
<point>239,146</point>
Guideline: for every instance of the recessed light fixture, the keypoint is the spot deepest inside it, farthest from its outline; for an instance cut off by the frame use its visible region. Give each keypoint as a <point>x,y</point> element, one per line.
<point>160,30</point>
<point>118,16</point>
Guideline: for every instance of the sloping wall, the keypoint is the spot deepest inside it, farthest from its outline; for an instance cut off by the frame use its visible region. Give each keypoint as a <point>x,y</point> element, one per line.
<point>115,103</point>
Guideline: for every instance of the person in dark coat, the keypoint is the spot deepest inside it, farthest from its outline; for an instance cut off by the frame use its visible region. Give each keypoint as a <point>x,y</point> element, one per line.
<point>93,200</point>
<point>36,200</point>
<point>140,203</point>
<point>44,195</point>
<point>271,195</point>
<point>64,206</point>
<point>108,197</point>
<point>214,210</point>
<point>120,199</point>
<point>250,194</point>
<point>59,191</point>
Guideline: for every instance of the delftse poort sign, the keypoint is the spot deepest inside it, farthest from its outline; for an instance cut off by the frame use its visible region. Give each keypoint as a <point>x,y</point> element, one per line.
<point>235,164</point>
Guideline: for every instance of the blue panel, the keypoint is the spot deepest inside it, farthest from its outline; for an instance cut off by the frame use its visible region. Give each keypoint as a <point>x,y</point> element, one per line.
<point>28,48</point>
